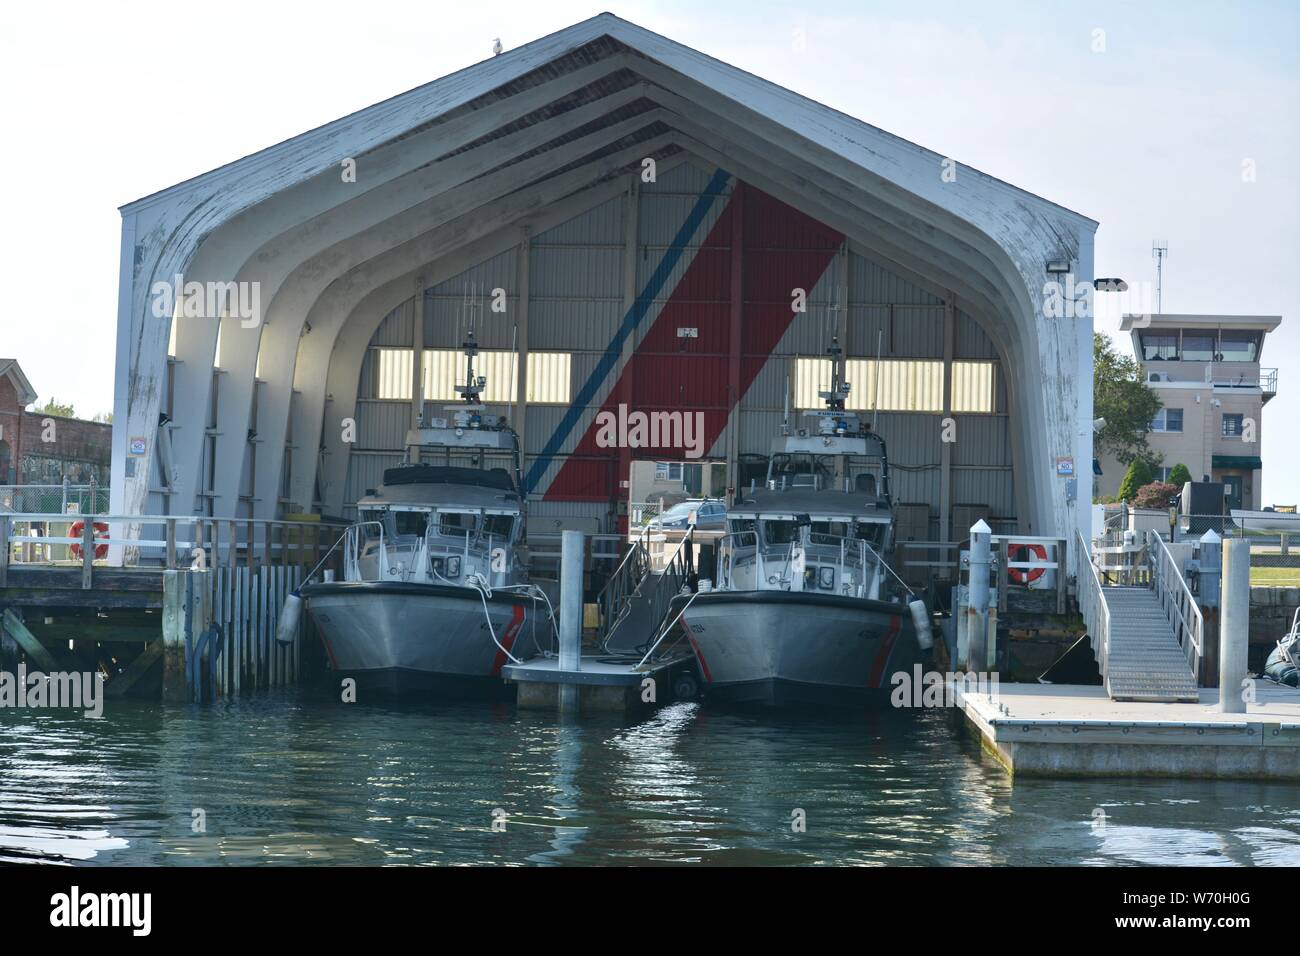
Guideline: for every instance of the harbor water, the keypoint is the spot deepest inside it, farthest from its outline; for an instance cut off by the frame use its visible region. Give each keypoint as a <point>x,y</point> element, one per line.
<point>291,779</point>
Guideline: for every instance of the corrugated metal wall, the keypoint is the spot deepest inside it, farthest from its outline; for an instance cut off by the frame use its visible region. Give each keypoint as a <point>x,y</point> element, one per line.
<point>576,303</point>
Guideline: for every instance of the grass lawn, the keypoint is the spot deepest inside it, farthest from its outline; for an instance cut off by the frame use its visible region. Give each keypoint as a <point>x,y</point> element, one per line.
<point>1276,577</point>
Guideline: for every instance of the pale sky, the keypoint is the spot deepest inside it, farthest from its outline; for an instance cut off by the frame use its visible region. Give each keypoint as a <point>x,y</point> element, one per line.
<point>105,103</point>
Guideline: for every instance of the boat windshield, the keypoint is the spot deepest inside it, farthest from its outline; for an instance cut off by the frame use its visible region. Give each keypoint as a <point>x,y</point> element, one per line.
<point>408,522</point>
<point>499,526</point>
<point>859,473</point>
<point>460,524</point>
<point>780,531</point>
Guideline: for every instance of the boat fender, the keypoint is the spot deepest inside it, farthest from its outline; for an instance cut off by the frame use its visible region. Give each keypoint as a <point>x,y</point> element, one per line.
<point>921,618</point>
<point>289,614</point>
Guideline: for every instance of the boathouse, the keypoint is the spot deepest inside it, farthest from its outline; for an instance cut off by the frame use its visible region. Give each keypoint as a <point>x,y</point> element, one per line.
<point>623,221</point>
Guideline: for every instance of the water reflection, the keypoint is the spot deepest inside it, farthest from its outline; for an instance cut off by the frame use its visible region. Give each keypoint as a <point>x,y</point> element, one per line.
<point>286,779</point>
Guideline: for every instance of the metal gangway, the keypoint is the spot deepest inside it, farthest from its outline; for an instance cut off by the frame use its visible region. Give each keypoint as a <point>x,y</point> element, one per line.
<point>1147,631</point>
<point>635,600</point>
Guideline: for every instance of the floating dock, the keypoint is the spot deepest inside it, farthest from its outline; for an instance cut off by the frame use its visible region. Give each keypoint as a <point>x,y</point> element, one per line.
<point>605,683</point>
<point>1046,730</point>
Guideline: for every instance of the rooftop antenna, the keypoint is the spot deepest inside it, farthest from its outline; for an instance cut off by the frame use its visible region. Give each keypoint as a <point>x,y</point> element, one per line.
<point>1159,249</point>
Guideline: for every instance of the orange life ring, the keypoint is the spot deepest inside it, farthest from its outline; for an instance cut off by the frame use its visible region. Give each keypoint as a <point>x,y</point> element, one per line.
<point>1025,575</point>
<point>101,531</point>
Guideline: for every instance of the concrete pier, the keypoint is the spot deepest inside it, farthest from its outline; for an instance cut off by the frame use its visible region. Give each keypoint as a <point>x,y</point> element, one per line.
<point>1044,730</point>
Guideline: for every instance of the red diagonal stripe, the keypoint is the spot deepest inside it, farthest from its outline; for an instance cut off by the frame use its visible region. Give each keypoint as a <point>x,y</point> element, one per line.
<point>783,250</point>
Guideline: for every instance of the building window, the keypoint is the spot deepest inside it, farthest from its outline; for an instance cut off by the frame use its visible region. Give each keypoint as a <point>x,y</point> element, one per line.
<point>444,369</point>
<point>393,374</point>
<point>1232,426</point>
<point>668,471</point>
<point>1168,420</point>
<point>1198,346</point>
<point>548,376</point>
<point>1238,346</point>
<point>972,386</point>
<point>898,385</point>
<point>1159,346</point>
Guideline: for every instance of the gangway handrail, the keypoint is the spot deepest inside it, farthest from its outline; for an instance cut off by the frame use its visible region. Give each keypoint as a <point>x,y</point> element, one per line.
<point>1177,601</point>
<point>616,596</point>
<point>676,570</point>
<point>1093,606</point>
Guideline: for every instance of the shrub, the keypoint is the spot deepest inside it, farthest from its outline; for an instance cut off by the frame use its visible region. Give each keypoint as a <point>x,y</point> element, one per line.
<point>1155,495</point>
<point>1138,474</point>
<point>1180,475</point>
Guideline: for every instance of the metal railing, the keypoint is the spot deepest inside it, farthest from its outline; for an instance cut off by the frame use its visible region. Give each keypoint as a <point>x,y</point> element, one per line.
<point>1274,541</point>
<point>669,582</point>
<point>544,548</point>
<point>616,597</point>
<point>1177,601</point>
<point>1007,573</point>
<point>836,552</point>
<point>158,541</point>
<point>1092,605</point>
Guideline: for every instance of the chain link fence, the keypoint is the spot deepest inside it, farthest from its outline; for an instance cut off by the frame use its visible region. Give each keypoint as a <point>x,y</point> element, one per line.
<point>1274,542</point>
<point>71,500</point>
<point>54,499</point>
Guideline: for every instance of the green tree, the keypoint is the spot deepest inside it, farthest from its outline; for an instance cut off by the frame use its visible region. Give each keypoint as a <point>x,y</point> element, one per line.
<point>1180,475</point>
<point>1138,475</point>
<point>1121,397</point>
<point>52,407</point>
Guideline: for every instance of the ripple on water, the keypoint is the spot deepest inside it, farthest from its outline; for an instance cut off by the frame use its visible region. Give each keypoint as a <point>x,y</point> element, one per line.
<point>284,779</point>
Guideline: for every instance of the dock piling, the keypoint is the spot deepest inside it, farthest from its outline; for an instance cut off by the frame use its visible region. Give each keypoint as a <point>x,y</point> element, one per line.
<point>572,550</point>
<point>1234,624</point>
<point>981,547</point>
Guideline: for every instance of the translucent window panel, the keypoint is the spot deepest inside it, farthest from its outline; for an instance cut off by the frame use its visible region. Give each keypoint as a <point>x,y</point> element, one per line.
<point>548,376</point>
<point>393,368</point>
<point>972,386</point>
<point>1159,346</point>
<point>1238,346</point>
<point>1198,346</point>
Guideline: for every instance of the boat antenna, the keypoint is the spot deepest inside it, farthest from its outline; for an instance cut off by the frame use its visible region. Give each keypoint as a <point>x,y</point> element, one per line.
<point>514,369</point>
<point>839,390</point>
<point>472,390</point>
<point>785,411</point>
<point>875,400</point>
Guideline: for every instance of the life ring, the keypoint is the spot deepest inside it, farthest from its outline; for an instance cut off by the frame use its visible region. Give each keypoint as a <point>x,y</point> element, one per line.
<point>101,531</point>
<point>1025,575</point>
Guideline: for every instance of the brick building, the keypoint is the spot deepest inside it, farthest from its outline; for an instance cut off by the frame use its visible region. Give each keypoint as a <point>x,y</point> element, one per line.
<point>38,450</point>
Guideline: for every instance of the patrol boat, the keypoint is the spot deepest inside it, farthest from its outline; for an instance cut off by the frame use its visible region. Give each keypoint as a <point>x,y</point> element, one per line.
<point>804,608</point>
<point>435,595</point>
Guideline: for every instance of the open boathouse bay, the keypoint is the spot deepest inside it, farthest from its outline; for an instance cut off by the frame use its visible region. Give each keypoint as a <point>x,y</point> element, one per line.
<point>287,778</point>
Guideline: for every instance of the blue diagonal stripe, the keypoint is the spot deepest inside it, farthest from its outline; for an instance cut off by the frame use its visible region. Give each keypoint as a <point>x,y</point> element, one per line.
<point>654,285</point>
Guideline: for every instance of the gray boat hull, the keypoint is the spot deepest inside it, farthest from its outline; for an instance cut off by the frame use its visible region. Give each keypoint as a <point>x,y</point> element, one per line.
<point>412,638</point>
<point>780,648</point>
